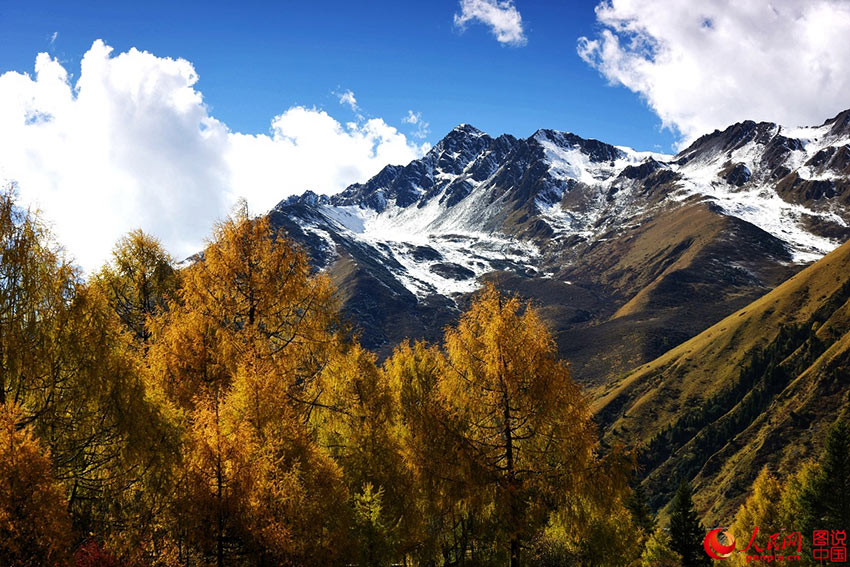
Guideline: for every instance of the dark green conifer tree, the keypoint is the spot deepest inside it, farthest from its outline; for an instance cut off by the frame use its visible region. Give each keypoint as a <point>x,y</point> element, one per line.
<point>642,515</point>
<point>686,530</point>
<point>826,498</point>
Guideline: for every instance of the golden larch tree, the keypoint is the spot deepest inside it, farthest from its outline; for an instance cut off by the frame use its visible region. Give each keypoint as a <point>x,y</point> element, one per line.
<point>35,529</point>
<point>139,281</point>
<point>524,421</point>
<point>240,352</point>
<point>356,422</point>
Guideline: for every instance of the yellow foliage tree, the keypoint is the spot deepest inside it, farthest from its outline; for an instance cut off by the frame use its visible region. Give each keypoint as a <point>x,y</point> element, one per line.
<point>250,302</point>
<point>295,497</point>
<point>658,551</point>
<point>217,477</point>
<point>296,502</point>
<point>37,286</point>
<point>72,373</point>
<point>595,526</point>
<point>762,510</point>
<point>240,353</point>
<point>356,421</point>
<point>522,422</point>
<point>35,529</point>
<point>438,494</point>
<point>139,281</point>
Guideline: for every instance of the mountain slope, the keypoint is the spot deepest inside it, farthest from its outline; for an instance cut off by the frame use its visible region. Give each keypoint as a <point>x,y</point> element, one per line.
<point>630,251</point>
<point>758,388</point>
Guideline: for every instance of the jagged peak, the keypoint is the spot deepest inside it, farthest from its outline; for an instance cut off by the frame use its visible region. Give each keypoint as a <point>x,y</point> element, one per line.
<point>460,134</point>
<point>733,136</point>
<point>464,138</point>
<point>357,193</point>
<point>549,134</point>
<point>467,129</point>
<point>840,124</point>
<point>308,197</point>
<point>842,116</point>
<point>564,138</point>
<point>595,149</point>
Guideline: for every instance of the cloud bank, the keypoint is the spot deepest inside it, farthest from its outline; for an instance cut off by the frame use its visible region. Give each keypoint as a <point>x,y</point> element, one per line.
<point>132,144</point>
<point>706,65</point>
<point>502,17</point>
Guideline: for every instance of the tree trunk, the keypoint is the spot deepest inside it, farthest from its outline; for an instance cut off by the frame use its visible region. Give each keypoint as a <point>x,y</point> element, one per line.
<point>219,494</point>
<point>2,373</point>
<point>513,512</point>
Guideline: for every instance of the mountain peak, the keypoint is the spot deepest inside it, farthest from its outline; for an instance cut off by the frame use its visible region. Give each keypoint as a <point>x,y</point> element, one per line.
<point>458,148</point>
<point>596,150</point>
<point>460,135</point>
<point>840,124</point>
<point>549,133</point>
<point>555,208</point>
<point>731,138</point>
<point>467,129</point>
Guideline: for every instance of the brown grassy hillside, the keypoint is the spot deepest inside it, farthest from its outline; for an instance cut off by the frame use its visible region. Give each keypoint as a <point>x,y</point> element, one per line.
<point>759,387</point>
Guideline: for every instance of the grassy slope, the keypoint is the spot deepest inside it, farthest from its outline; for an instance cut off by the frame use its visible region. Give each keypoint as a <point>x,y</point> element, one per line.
<point>668,278</point>
<point>658,393</point>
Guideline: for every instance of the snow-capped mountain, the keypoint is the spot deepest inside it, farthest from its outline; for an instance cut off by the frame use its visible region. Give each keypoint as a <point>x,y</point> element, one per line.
<point>596,233</point>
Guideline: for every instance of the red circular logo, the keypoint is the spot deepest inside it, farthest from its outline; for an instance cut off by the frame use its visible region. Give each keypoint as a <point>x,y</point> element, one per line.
<point>714,548</point>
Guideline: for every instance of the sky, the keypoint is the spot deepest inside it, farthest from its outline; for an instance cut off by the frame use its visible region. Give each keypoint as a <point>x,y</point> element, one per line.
<point>160,115</point>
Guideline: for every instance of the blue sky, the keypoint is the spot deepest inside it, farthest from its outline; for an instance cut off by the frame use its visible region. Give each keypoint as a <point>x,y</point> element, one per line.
<point>255,59</point>
<point>160,115</point>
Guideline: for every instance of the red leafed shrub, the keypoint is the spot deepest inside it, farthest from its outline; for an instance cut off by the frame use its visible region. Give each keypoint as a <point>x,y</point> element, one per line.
<point>92,554</point>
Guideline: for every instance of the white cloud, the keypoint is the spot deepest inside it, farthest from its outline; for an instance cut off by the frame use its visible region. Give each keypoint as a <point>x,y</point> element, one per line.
<point>412,117</point>
<point>53,37</point>
<point>347,98</point>
<point>132,144</point>
<point>309,149</point>
<point>502,16</point>
<point>705,65</point>
<point>415,119</point>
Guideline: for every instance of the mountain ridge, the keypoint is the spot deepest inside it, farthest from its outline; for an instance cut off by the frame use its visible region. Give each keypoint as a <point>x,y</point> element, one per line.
<point>760,387</point>
<point>590,231</point>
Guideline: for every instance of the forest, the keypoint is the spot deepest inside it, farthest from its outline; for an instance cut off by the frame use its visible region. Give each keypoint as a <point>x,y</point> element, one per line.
<point>224,414</point>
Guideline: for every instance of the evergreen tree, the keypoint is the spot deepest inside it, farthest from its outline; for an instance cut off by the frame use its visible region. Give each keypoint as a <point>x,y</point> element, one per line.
<point>686,530</point>
<point>641,513</point>
<point>826,495</point>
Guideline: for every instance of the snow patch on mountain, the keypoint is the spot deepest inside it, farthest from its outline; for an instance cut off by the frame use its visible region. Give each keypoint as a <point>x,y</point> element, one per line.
<point>431,223</point>
<point>571,162</point>
<point>456,253</point>
<point>757,202</point>
<point>766,210</point>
